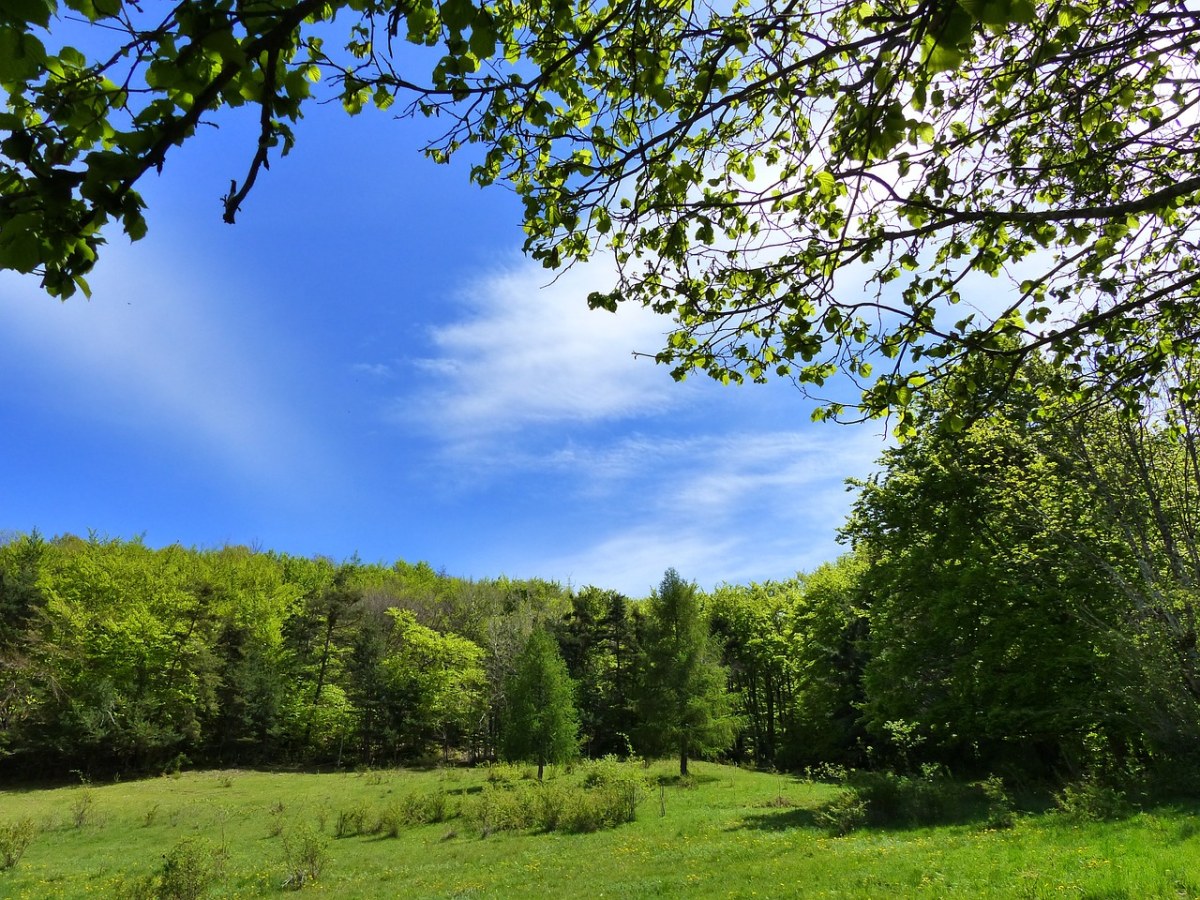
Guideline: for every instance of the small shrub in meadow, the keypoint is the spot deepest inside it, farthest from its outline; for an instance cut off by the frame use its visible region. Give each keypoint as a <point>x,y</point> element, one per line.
<point>15,838</point>
<point>351,822</point>
<point>391,820</point>
<point>277,819</point>
<point>582,813</point>
<point>1000,810</point>
<point>607,770</point>
<point>845,813</point>
<point>83,808</point>
<point>1092,800</point>
<point>928,798</point>
<point>426,808</point>
<point>501,809</point>
<point>606,797</point>
<point>550,802</point>
<point>305,856</point>
<point>189,870</point>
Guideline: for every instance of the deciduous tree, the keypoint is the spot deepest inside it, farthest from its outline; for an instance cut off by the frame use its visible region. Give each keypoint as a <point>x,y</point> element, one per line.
<point>806,187</point>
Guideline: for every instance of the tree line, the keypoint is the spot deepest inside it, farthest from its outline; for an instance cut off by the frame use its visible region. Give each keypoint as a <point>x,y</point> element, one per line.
<point>1019,593</point>
<point>118,657</point>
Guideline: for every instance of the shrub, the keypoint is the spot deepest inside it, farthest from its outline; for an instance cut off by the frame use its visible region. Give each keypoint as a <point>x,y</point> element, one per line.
<point>189,870</point>
<point>1092,800</point>
<point>82,810</point>
<point>925,799</point>
<point>416,809</point>
<point>1000,812</point>
<point>305,856</point>
<point>277,820</point>
<point>611,799</point>
<point>846,812</point>
<point>931,797</point>
<point>606,770</point>
<point>550,802</point>
<point>501,809</point>
<point>351,822</point>
<point>15,838</point>
<point>620,788</point>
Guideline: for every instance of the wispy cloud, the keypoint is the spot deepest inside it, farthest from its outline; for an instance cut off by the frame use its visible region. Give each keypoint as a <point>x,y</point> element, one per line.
<point>746,507</point>
<point>528,352</point>
<point>154,357</point>
<point>374,370</point>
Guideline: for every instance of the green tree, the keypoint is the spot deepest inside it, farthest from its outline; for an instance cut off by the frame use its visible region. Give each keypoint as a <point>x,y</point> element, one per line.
<point>749,624</point>
<point>598,640</point>
<point>684,697</point>
<point>1021,598</point>
<point>541,722</point>
<point>827,628</point>
<point>436,684</point>
<point>124,648</point>
<point>747,164</point>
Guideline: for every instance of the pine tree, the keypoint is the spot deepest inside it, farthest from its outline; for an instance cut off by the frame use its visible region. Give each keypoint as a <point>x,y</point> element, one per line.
<point>542,724</point>
<point>684,694</point>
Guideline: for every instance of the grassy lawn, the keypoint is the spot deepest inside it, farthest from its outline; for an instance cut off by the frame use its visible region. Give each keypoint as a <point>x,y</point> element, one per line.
<point>730,833</point>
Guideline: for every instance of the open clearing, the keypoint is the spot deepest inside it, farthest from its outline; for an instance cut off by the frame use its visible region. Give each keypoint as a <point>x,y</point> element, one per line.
<point>728,833</point>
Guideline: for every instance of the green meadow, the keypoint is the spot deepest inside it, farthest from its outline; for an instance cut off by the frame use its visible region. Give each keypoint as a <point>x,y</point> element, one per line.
<point>724,832</point>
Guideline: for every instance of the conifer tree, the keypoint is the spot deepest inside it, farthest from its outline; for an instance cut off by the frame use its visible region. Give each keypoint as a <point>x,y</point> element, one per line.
<point>684,694</point>
<point>542,724</point>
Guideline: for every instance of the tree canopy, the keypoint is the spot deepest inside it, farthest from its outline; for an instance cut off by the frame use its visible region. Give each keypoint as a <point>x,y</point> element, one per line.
<point>806,187</point>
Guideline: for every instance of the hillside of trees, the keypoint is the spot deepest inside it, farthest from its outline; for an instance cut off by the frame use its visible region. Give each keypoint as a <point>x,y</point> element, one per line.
<point>1018,595</point>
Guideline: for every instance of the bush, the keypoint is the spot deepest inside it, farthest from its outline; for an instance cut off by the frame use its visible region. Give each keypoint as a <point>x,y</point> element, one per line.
<point>1092,800</point>
<point>845,813</point>
<point>305,856</point>
<point>351,822</point>
<point>1000,812</point>
<point>15,838</point>
<point>416,809</point>
<point>501,809</point>
<point>82,808</point>
<point>608,796</point>
<point>931,797</point>
<point>606,770</point>
<point>549,805</point>
<point>617,788</point>
<point>187,872</point>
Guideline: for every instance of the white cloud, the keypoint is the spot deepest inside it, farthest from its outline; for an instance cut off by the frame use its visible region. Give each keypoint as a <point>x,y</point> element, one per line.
<point>528,352</point>
<point>734,508</point>
<point>374,370</point>
<point>151,355</point>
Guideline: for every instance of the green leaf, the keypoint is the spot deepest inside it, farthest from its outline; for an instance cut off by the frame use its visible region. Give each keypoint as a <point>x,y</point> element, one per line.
<point>19,12</point>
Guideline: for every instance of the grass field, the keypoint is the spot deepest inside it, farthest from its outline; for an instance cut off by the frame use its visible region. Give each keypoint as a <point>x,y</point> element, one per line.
<point>727,833</point>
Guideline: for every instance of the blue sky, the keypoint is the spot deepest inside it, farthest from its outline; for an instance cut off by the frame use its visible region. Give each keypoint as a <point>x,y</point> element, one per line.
<point>365,363</point>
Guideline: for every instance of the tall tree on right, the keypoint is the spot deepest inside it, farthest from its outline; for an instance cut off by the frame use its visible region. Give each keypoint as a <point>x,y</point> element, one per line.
<point>684,696</point>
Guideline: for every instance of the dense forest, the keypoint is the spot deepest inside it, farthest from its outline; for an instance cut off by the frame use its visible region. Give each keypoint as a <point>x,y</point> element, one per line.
<point>1018,595</point>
